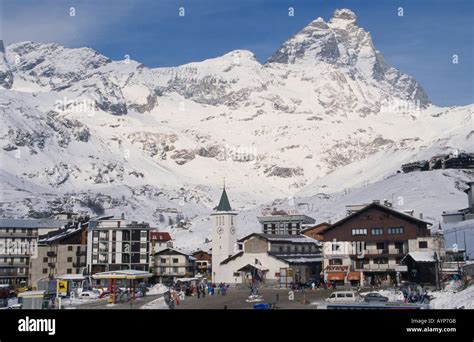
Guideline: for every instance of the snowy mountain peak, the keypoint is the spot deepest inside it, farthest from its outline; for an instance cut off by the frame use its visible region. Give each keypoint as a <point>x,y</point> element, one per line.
<point>6,77</point>
<point>344,14</point>
<point>347,51</point>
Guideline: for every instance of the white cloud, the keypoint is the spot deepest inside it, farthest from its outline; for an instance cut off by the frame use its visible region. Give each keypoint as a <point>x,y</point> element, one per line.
<point>51,21</point>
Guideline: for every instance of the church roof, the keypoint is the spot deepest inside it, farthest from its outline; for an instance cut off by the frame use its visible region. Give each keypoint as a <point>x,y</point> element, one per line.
<point>224,204</point>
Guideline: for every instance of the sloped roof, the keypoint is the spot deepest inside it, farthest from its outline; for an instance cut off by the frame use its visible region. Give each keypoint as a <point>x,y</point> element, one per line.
<point>224,204</point>
<point>282,238</point>
<point>32,223</point>
<point>421,256</point>
<point>319,228</point>
<point>160,236</point>
<point>382,208</point>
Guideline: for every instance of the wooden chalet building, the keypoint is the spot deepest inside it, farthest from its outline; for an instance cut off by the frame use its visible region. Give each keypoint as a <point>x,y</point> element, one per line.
<point>367,247</point>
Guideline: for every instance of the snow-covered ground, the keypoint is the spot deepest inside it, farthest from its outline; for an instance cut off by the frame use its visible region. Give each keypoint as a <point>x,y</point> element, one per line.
<point>156,304</point>
<point>449,299</point>
<point>324,123</point>
<point>157,289</point>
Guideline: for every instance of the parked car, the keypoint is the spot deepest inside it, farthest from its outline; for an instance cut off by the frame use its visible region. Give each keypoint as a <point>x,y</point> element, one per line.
<point>375,297</point>
<point>88,295</point>
<point>343,297</point>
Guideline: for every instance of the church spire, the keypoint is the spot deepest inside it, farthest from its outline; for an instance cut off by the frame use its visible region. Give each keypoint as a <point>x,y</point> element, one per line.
<point>224,204</point>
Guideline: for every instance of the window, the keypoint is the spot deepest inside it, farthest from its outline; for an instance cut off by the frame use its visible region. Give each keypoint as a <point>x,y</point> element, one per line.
<point>69,271</point>
<point>380,260</point>
<point>395,230</point>
<point>163,260</point>
<point>288,248</point>
<point>280,248</point>
<point>175,270</point>
<point>69,248</point>
<point>175,260</point>
<point>380,245</point>
<point>45,270</point>
<point>44,259</point>
<point>423,244</point>
<point>69,259</point>
<point>335,261</point>
<point>377,231</point>
<point>359,231</point>
<point>399,247</point>
<point>335,246</point>
<point>398,260</point>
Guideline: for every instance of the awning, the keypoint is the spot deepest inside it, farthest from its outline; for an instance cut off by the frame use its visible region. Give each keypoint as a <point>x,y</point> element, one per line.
<point>353,276</point>
<point>336,276</point>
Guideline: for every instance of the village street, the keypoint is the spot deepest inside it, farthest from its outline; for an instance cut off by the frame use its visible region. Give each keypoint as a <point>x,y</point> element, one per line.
<point>236,299</point>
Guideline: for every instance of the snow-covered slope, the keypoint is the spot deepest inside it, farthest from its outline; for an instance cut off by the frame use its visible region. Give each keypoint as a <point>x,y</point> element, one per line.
<point>323,115</point>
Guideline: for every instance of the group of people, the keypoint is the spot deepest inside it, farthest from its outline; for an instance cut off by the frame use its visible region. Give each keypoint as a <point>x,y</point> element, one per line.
<point>221,289</point>
<point>416,295</point>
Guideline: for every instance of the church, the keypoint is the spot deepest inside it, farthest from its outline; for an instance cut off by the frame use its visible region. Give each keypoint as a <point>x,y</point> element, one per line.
<point>274,258</point>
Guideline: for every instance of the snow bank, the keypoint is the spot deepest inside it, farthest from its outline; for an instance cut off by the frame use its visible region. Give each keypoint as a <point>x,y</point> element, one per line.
<point>449,299</point>
<point>157,289</point>
<point>156,304</point>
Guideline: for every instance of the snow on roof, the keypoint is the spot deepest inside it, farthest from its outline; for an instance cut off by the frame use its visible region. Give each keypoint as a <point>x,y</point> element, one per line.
<point>422,256</point>
<point>288,238</point>
<point>30,223</point>
<point>296,258</point>
<point>61,235</point>
<point>71,277</point>
<point>302,260</point>
<point>122,274</point>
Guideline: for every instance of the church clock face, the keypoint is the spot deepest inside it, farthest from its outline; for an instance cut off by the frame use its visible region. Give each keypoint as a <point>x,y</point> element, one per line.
<point>220,230</point>
<point>232,230</point>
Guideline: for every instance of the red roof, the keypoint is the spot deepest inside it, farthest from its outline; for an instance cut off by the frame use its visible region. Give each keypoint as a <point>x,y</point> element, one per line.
<point>160,236</point>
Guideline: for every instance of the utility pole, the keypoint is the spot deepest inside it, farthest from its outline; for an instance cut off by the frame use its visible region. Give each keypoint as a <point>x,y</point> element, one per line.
<point>465,244</point>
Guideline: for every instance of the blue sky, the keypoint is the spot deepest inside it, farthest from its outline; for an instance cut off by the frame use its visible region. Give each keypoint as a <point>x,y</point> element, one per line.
<point>421,43</point>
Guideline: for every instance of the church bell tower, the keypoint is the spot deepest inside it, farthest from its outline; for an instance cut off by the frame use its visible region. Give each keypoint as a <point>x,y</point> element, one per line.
<point>223,236</point>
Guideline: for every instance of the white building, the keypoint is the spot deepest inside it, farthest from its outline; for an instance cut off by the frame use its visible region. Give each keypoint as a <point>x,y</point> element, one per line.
<point>171,263</point>
<point>112,245</point>
<point>277,259</point>
<point>224,240</point>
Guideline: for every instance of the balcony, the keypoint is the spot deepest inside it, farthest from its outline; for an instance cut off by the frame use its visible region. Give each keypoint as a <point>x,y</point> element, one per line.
<point>376,267</point>
<point>4,234</point>
<point>396,251</point>
<point>376,251</point>
<point>52,254</point>
<point>78,264</point>
<point>51,264</point>
<point>81,253</point>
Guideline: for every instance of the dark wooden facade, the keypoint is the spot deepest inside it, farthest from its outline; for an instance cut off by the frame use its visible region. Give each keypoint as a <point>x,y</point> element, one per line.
<point>376,216</point>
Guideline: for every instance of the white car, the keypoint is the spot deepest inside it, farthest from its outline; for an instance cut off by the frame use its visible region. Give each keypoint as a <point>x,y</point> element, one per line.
<point>88,295</point>
<point>343,297</point>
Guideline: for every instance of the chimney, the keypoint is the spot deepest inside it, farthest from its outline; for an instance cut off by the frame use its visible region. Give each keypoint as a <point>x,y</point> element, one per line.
<point>421,216</point>
<point>122,216</point>
<point>376,201</point>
